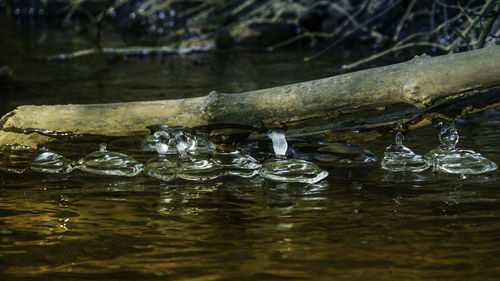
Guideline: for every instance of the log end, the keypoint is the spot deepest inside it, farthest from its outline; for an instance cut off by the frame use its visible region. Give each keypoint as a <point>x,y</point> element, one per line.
<point>12,139</point>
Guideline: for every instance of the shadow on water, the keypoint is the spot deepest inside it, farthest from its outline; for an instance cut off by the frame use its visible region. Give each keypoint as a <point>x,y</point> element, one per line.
<point>360,223</point>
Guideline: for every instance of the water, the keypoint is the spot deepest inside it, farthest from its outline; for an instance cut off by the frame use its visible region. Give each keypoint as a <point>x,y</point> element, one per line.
<point>359,223</point>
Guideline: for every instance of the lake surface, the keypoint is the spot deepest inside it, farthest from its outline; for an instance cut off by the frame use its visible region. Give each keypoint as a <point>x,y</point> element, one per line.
<point>360,223</point>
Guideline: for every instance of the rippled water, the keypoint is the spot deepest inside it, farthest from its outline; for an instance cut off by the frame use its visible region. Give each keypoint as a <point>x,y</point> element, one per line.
<point>360,223</point>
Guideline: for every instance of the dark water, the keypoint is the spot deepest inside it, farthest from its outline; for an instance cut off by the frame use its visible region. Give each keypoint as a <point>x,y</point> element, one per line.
<point>361,223</point>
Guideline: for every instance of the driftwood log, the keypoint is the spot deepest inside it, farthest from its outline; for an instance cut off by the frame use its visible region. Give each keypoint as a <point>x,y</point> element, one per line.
<point>351,107</point>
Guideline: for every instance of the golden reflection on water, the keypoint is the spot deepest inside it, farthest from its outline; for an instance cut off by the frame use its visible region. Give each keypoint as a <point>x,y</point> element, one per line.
<point>353,226</point>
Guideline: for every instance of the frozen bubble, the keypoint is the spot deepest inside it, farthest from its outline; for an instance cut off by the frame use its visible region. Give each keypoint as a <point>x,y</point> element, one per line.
<point>199,169</point>
<point>237,163</point>
<point>402,162</point>
<point>448,135</point>
<point>161,148</point>
<point>52,163</point>
<point>163,169</point>
<point>176,140</point>
<point>193,169</point>
<point>103,162</point>
<point>399,158</point>
<point>164,144</point>
<point>459,161</point>
<point>292,170</point>
<point>185,142</point>
<point>448,159</point>
<point>289,170</point>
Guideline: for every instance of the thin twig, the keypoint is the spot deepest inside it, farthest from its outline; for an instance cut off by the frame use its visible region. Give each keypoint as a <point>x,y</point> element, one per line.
<point>403,20</point>
<point>495,13</point>
<point>391,50</point>
<point>356,24</point>
<point>352,31</point>
<point>402,44</point>
<point>308,34</point>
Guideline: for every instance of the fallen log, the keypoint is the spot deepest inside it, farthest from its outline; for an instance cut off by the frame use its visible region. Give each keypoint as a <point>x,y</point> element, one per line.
<point>352,107</point>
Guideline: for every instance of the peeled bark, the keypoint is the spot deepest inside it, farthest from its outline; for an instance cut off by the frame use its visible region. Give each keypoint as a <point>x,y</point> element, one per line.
<point>350,107</point>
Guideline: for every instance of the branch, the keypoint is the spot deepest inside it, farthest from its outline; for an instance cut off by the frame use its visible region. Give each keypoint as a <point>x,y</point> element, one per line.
<point>488,24</point>
<point>403,20</point>
<point>352,107</point>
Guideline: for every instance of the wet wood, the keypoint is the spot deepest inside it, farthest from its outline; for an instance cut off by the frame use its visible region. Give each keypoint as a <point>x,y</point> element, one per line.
<point>350,107</point>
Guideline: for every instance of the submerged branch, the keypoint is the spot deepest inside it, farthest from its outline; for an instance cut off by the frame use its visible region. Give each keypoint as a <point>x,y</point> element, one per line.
<point>351,107</point>
<point>130,51</point>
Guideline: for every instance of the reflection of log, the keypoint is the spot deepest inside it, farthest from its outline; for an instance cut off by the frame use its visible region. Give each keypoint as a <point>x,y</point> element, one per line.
<point>350,107</point>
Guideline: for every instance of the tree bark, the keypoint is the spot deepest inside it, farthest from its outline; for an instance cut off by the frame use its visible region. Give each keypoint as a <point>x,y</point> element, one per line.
<point>351,107</point>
